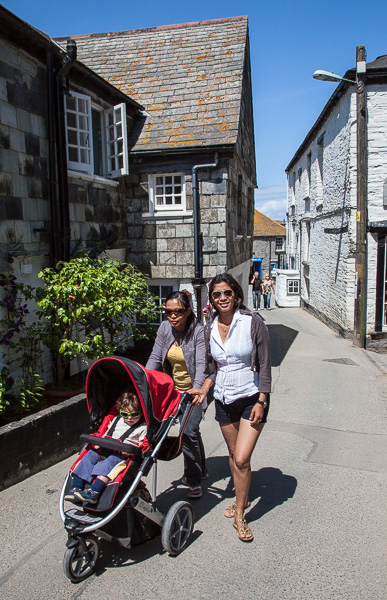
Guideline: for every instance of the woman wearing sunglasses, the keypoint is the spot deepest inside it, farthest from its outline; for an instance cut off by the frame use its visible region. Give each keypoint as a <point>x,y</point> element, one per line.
<point>179,350</point>
<point>239,368</point>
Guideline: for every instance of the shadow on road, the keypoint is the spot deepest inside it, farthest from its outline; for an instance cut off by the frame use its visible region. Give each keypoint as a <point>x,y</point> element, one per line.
<point>281,338</point>
<point>269,484</point>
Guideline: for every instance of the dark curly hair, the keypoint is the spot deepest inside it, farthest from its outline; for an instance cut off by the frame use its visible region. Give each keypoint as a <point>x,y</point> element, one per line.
<point>234,285</point>
<point>185,300</point>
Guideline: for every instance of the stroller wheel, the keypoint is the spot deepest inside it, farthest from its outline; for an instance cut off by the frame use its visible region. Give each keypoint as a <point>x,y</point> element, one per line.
<point>177,528</point>
<point>79,561</point>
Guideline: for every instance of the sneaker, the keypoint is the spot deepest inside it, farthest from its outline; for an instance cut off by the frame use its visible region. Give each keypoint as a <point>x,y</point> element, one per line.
<point>89,496</point>
<point>195,492</point>
<point>71,495</point>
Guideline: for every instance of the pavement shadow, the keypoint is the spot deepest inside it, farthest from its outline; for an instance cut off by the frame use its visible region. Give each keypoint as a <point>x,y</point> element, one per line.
<point>272,487</point>
<point>281,338</point>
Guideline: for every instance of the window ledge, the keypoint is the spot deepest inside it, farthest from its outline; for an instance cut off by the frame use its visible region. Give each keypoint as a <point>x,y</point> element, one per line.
<point>95,178</point>
<point>166,215</point>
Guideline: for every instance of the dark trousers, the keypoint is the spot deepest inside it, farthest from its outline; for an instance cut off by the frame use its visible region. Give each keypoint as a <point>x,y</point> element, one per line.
<point>193,449</point>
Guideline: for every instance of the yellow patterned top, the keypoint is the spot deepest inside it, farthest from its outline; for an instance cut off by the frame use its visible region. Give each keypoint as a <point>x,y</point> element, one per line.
<point>180,374</point>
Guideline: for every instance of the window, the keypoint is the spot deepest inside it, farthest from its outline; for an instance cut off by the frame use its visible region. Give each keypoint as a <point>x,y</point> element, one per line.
<point>308,172</point>
<point>96,139</point>
<point>167,192</point>
<point>160,292</point>
<point>279,244</point>
<point>238,224</point>
<point>293,286</point>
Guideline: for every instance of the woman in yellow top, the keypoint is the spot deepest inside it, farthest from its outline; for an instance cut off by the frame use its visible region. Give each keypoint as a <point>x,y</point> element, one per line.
<point>179,350</point>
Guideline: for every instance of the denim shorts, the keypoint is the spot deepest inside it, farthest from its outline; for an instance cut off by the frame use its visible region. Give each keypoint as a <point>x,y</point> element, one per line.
<point>239,409</point>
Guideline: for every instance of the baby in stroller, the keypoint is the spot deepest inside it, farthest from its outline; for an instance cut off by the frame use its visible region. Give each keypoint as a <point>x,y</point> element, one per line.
<point>98,466</point>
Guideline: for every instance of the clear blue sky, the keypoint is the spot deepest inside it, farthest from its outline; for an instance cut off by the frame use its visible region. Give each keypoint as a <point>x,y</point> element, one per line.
<point>289,40</point>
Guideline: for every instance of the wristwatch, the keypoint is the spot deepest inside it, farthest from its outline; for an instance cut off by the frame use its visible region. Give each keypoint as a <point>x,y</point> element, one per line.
<point>264,403</point>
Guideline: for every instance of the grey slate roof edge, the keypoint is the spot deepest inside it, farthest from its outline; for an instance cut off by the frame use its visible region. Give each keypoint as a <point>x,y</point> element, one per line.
<point>153,29</point>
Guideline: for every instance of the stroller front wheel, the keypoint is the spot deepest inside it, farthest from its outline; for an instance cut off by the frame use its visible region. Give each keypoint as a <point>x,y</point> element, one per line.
<point>79,561</point>
<point>177,528</point>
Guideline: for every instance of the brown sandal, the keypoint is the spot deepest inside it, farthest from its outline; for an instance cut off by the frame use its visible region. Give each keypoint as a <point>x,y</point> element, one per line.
<point>244,531</point>
<point>230,510</point>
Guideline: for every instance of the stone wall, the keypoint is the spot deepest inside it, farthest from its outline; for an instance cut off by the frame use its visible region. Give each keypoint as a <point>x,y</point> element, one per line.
<point>24,184</point>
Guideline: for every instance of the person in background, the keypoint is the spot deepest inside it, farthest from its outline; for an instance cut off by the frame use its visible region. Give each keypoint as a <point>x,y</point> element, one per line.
<point>256,282</point>
<point>179,350</point>
<point>267,289</point>
<point>238,366</point>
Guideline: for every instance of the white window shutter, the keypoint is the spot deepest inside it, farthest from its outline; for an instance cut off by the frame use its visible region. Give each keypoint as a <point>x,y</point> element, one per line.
<point>79,137</point>
<point>116,140</point>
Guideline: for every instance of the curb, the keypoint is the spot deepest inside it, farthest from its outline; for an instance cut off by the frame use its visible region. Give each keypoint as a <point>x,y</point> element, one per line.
<point>42,439</point>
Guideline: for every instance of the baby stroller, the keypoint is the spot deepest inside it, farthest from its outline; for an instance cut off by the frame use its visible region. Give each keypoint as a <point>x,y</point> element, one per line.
<point>126,512</point>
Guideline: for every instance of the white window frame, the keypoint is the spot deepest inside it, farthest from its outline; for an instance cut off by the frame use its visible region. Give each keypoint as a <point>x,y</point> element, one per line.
<point>79,130</point>
<point>277,247</point>
<point>155,187</point>
<point>115,137</point>
<point>296,284</point>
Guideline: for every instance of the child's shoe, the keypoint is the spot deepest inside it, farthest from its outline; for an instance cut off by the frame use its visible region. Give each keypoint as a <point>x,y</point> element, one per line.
<point>89,496</point>
<point>71,495</point>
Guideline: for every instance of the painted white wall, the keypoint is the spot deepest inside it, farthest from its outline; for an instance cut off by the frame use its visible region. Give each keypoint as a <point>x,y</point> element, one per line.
<point>329,203</point>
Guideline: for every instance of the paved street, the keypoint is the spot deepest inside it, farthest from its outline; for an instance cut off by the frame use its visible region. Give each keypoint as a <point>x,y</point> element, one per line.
<point>318,496</point>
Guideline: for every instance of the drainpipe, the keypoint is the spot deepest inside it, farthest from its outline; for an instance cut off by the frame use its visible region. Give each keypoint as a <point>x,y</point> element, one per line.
<point>198,280</point>
<point>54,231</point>
<point>64,211</point>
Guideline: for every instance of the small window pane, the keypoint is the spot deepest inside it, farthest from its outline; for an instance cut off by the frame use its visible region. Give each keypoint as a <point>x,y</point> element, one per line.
<point>72,136</point>
<point>117,115</point>
<point>159,200</point>
<point>119,131</point>
<point>73,154</point>
<point>120,162</point>
<point>159,181</point>
<point>84,123</point>
<point>111,149</point>
<point>85,156</point>
<point>177,199</point>
<point>168,180</point>
<point>110,135</point>
<point>177,189</point>
<point>168,199</point>
<point>71,102</point>
<point>83,139</point>
<point>168,189</point>
<point>120,146</point>
<point>177,178</point>
<point>71,120</point>
<point>82,106</point>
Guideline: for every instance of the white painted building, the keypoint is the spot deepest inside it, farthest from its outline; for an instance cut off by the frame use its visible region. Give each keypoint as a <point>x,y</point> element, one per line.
<point>322,205</point>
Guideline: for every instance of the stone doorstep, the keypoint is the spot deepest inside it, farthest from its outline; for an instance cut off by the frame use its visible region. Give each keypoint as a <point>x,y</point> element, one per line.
<point>42,439</point>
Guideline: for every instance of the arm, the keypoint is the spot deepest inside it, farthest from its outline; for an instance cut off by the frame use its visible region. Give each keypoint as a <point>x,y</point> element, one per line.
<point>155,360</point>
<point>200,358</point>
<point>200,393</point>
<point>262,341</point>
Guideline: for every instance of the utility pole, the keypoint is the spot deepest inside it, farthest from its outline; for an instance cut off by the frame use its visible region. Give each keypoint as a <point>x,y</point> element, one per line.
<point>360,308</point>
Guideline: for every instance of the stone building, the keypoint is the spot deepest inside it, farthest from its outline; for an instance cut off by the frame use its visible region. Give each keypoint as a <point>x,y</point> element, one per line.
<point>322,208</point>
<point>190,188</point>
<point>58,191</point>
<point>269,243</point>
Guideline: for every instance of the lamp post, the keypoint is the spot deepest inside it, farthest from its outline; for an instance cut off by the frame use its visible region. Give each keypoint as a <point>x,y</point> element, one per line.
<point>360,305</point>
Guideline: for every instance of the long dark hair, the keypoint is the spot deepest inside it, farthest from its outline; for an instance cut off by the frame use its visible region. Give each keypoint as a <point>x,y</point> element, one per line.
<point>185,300</point>
<point>234,285</point>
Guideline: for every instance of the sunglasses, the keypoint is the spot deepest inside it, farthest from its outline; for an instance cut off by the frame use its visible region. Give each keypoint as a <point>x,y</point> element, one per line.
<point>225,293</point>
<point>174,311</point>
<point>127,415</point>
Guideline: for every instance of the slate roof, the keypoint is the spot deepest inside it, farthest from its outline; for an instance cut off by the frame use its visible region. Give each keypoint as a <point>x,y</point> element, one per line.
<point>263,225</point>
<point>188,77</point>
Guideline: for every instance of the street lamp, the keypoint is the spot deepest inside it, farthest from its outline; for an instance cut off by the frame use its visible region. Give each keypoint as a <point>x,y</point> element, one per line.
<point>360,307</point>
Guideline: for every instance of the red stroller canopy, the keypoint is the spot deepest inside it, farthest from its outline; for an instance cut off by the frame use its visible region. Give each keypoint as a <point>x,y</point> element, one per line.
<point>110,376</point>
